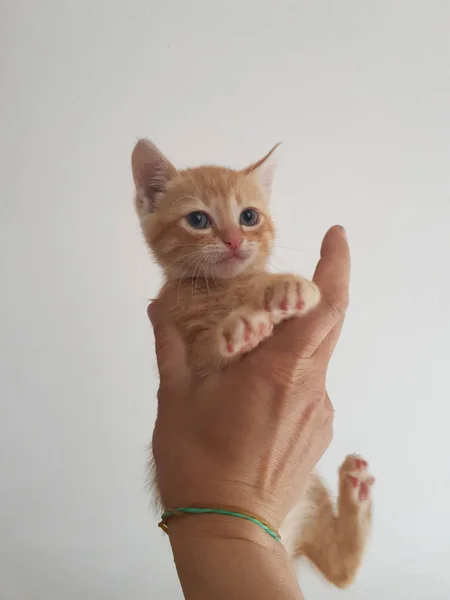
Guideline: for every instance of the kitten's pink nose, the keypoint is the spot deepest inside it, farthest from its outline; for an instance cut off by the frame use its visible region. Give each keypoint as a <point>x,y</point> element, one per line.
<point>233,240</point>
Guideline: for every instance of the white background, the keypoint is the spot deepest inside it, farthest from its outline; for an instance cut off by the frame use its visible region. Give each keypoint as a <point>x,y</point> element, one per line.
<point>359,91</point>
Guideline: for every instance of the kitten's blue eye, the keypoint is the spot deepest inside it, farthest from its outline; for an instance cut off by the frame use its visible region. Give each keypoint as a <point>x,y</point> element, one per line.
<point>198,220</point>
<point>249,217</point>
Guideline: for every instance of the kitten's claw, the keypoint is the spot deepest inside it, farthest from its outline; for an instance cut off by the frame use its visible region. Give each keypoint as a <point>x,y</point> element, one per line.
<point>356,478</point>
<point>242,331</point>
<point>286,296</point>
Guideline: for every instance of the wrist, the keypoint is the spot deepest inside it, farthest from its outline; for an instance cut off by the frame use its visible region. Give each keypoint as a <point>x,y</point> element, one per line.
<point>241,497</point>
<point>220,511</point>
<point>224,557</point>
<point>191,529</point>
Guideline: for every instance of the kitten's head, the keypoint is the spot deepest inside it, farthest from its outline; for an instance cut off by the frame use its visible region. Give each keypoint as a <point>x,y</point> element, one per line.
<point>209,221</point>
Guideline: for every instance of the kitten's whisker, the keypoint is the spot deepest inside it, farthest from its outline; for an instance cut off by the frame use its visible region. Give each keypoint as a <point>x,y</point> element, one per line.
<point>274,267</point>
<point>163,251</point>
<point>186,256</point>
<point>272,255</point>
<point>192,261</point>
<point>277,257</point>
<point>208,262</point>
<point>179,285</point>
<point>197,264</point>
<point>202,269</point>
<point>193,277</point>
<point>212,272</point>
<point>287,248</point>
<point>198,275</point>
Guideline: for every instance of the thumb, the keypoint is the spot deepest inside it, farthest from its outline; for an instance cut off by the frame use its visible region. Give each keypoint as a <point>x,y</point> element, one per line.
<point>170,348</point>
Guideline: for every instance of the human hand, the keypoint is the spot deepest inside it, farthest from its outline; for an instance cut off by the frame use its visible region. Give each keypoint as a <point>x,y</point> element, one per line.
<point>250,435</point>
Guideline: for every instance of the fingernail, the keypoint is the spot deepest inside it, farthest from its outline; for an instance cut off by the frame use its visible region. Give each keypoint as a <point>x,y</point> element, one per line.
<point>342,231</point>
<point>151,312</point>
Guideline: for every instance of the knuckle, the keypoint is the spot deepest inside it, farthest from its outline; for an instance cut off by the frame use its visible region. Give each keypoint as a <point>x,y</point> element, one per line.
<point>328,434</point>
<point>328,407</point>
<point>338,307</point>
<point>329,418</point>
<point>161,343</point>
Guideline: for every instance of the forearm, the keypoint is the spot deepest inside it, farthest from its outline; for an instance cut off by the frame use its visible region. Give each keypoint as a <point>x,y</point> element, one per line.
<point>229,559</point>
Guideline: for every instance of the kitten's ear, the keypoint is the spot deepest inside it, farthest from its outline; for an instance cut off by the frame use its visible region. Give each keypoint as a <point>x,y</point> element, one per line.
<point>151,173</point>
<point>264,170</point>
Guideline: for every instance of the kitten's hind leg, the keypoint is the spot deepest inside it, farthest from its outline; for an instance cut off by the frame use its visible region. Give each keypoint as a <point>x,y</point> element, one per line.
<point>335,543</point>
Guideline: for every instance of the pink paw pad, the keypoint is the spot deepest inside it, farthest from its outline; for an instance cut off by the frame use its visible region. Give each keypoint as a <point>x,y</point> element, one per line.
<point>242,331</point>
<point>355,471</point>
<point>288,296</point>
<point>363,491</point>
<point>353,480</point>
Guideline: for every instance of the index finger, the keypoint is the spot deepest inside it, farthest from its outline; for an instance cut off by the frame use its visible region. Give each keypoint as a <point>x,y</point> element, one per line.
<point>303,336</point>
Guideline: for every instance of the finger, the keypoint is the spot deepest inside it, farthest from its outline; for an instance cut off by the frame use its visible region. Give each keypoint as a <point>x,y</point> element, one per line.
<point>302,337</point>
<point>325,424</point>
<point>332,273</point>
<point>170,349</point>
<point>325,412</point>
<point>320,433</point>
<point>328,344</point>
<point>334,289</point>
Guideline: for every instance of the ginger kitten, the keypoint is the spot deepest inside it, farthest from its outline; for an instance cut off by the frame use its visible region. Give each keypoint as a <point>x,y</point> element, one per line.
<point>210,230</point>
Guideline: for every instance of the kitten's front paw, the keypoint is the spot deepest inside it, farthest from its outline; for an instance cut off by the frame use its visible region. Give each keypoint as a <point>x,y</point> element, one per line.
<point>287,296</point>
<point>242,331</point>
<point>356,479</point>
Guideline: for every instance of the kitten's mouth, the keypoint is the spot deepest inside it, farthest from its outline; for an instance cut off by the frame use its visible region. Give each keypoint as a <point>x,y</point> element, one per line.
<point>230,258</point>
<point>231,263</point>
